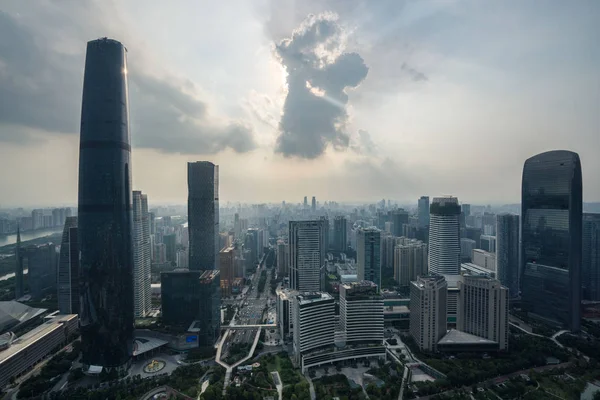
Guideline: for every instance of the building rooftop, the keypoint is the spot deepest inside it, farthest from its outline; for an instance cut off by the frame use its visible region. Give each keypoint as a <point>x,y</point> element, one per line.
<point>312,297</point>
<point>35,334</point>
<point>13,313</point>
<point>456,336</point>
<point>475,269</point>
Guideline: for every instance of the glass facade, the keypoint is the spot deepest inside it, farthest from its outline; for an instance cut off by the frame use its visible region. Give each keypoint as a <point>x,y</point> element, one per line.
<point>507,252</point>
<point>551,233</point>
<point>104,213</point>
<point>590,257</point>
<point>203,215</point>
<point>368,255</point>
<point>68,269</point>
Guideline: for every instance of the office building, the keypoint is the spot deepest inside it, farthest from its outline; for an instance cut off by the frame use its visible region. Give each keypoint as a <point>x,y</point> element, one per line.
<point>340,236</point>
<point>192,300</point>
<point>314,205</point>
<point>104,209</point>
<point>284,304</point>
<point>483,309</point>
<point>227,268</point>
<point>20,355</point>
<point>551,244</point>
<point>444,236</point>
<point>313,326</point>
<point>428,311</point>
<point>307,254</point>
<point>399,219</point>
<point>42,263</point>
<point>361,313</point>
<point>423,211</point>
<point>507,252</point>
<point>283,255</point>
<point>466,209</point>
<point>68,269</point>
<point>410,262</point>
<point>488,243</point>
<point>590,263</point>
<point>387,245</point>
<point>141,255</point>
<point>368,256</point>
<point>466,249</point>
<point>203,215</point>
<point>170,242</point>
<point>484,259</point>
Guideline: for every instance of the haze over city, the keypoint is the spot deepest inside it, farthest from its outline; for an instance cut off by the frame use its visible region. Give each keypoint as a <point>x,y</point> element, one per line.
<point>405,99</point>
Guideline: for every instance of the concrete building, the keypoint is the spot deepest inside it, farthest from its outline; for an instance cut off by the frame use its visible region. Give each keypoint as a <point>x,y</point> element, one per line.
<point>507,252</point>
<point>283,255</point>
<point>484,259</point>
<point>361,313</point>
<point>399,219</point>
<point>314,316</point>
<point>483,309</point>
<point>307,254</point>
<point>368,256</point>
<point>444,236</point>
<point>284,304</point>
<point>410,261</point>
<point>428,311</point>
<point>21,354</point>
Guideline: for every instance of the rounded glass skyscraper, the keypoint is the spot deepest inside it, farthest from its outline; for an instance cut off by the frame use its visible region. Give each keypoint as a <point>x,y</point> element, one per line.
<point>444,236</point>
<point>105,210</point>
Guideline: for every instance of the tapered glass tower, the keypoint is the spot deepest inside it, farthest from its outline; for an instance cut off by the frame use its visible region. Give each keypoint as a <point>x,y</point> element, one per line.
<point>105,209</point>
<point>551,238</point>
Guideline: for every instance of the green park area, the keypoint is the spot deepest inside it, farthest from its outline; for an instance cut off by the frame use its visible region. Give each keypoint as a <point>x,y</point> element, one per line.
<point>331,386</point>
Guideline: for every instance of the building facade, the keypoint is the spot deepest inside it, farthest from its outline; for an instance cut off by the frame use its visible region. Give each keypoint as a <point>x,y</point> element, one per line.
<point>551,231</point>
<point>141,255</point>
<point>42,263</point>
<point>307,254</point>
<point>227,268</point>
<point>314,316</point>
<point>361,313</point>
<point>340,236</point>
<point>368,255</point>
<point>410,261</point>
<point>423,211</point>
<point>590,257</point>
<point>483,309</point>
<point>444,236</point>
<point>428,311</point>
<point>68,269</point>
<point>507,252</point>
<point>203,215</point>
<point>104,209</point>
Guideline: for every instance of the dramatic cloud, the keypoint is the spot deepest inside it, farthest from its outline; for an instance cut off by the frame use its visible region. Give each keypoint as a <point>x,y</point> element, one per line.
<point>40,89</point>
<point>319,72</point>
<point>363,144</point>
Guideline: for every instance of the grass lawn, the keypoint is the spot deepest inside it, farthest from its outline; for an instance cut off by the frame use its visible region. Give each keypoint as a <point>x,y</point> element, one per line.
<point>282,364</point>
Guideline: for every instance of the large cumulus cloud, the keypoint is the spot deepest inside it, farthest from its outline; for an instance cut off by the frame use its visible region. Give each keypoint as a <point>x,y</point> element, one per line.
<point>40,90</point>
<point>319,73</point>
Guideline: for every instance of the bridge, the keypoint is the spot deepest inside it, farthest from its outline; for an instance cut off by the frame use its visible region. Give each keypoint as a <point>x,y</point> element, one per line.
<point>248,327</point>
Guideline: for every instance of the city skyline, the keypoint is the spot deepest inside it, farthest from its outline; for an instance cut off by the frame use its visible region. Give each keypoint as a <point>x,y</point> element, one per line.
<point>444,120</point>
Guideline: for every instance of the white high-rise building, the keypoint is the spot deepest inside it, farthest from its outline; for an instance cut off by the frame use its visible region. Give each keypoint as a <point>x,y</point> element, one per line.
<point>142,257</point>
<point>483,309</point>
<point>444,236</point>
<point>307,254</point>
<point>428,311</point>
<point>410,261</point>
<point>314,322</point>
<point>361,313</point>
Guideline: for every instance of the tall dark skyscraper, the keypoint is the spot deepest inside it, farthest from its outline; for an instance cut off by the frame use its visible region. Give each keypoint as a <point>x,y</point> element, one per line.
<point>368,255</point>
<point>399,219</point>
<point>105,209</point>
<point>203,215</point>
<point>340,235</point>
<point>313,206</point>
<point>68,269</point>
<point>507,252</point>
<point>551,230</point>
<point>423,211</point>
<point>590,257</point>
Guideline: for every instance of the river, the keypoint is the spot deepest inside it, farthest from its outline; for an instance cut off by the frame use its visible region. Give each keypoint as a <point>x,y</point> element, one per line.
<point>30,235</point>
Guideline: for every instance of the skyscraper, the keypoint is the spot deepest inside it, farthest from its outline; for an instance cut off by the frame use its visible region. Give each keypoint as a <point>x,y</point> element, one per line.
<point>19,287</point>
<point>507,252</point>
<point>203,215</point>
<point>410,261</point>
<point>423,211</point>
<point>590,263</point>
<point>551,230</point>
<point>314,204</point>
<point>307,254</point>
<point>141,255</point>
<point>428,311</point>
<point>368,255</point>
<point>483,309</point>
<point>399,219</point>
<point>68,269</point>
<point>444,236</point>
<point>227,270</point>
<point>42,262</point>
<point>361,313</point>
<point>313,315</point>
<point>104,213</point>
<point>340,235</point>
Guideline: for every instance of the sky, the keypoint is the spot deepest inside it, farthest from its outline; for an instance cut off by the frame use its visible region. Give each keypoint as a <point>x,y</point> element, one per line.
<point>346,100</point>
